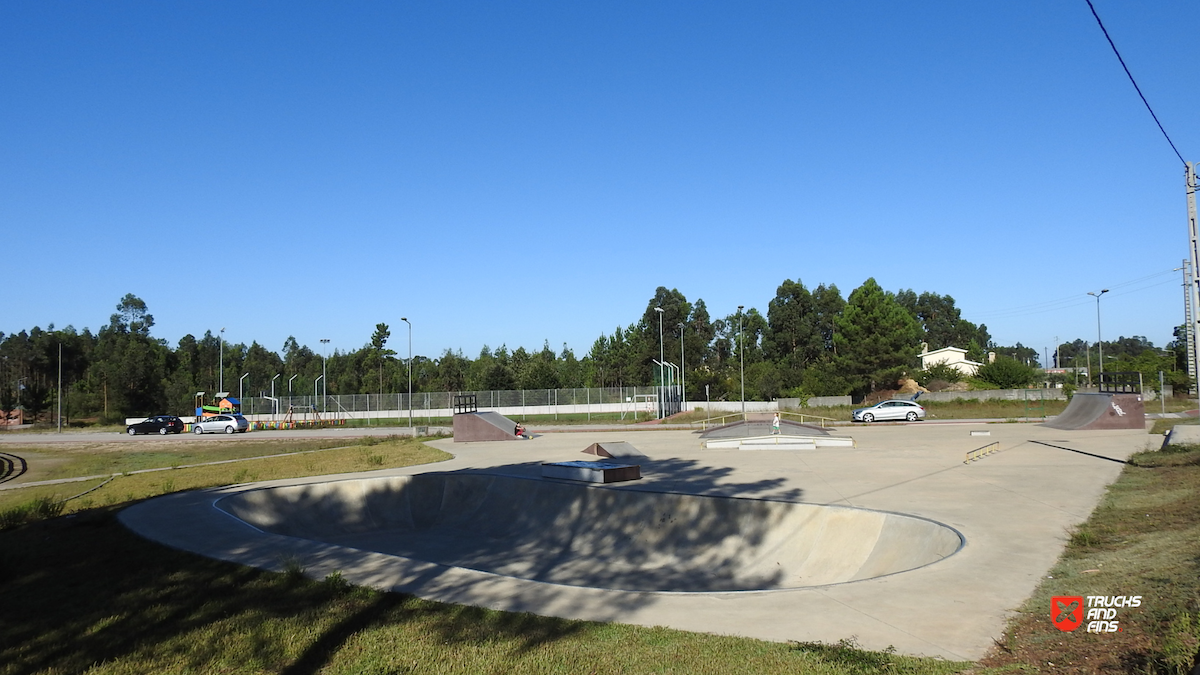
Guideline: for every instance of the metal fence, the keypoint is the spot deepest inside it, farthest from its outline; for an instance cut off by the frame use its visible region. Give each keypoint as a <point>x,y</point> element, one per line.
<point>584,399</point>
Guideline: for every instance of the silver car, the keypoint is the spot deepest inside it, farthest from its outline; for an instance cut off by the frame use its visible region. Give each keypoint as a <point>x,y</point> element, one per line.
<point>890,410</point>
<point>221,423</point>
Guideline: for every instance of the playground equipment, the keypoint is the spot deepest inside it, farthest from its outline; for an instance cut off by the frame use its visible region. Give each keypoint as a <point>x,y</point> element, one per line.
<point>222,405</point>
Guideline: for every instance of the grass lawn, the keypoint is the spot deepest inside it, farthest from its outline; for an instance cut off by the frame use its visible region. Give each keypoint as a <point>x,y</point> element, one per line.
<point>79,593</point>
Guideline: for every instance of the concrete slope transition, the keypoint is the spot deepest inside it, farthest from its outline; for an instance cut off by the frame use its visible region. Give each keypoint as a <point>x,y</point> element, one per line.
<point>578,535</point>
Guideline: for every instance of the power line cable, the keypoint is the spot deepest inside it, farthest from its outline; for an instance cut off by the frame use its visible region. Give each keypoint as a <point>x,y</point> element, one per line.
<point>1077,300</point>
<point>1134,82</point>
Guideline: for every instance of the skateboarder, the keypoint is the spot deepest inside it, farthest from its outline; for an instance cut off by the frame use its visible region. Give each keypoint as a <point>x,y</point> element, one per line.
<point>519,431</point>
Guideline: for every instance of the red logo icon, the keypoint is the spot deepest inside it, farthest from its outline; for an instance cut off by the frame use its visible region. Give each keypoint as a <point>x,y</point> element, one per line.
<point>1067,612</point>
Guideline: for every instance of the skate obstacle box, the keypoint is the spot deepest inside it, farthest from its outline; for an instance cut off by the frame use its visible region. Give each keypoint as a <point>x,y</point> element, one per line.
<point>472,425</point>
<point>1118,405</point>
<point>592,472</point>
<point>616,466</point>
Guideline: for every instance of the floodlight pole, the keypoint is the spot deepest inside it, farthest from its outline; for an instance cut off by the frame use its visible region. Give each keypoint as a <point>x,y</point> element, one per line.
<point>682,377</point>
<point>410,424</point>
<point>661,358</point>
<point>324,380</point>
<point>742,358</point>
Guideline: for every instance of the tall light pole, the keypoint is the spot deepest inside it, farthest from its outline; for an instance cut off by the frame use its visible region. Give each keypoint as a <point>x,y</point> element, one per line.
<point>661,358</point>
<point>290,387</point>
<point>742,358</point>
<point>682,364</point>
<point>324,381</point>
<point>221,380</point>
<point>410,425</point>
<point>240,390</point>
<point>274,401</point>
<point>1099,342</point>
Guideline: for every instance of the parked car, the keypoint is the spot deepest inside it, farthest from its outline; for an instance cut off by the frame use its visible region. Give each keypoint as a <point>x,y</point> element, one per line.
<point>221,423</point>
<point>890,410</point>
<point>159,424</point>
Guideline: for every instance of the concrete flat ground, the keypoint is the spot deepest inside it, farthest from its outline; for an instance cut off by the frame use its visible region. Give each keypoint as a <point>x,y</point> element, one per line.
<point>1014,508</point>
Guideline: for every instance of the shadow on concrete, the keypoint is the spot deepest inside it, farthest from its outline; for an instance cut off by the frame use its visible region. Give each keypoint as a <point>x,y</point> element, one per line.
<point>12,467</point>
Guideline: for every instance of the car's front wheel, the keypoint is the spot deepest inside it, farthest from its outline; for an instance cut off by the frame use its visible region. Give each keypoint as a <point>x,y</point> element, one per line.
<point>229,429</point>
<point>911,417</point>
<point>162,431</point>
<point>131,431</point>
<point>868,417</point>
<point>197,430</point>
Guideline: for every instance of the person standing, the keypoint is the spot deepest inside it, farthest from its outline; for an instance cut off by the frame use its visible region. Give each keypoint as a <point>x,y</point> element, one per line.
<point>775,425</point>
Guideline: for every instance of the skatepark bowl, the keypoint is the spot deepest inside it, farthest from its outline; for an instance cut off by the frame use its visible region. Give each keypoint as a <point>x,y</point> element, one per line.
<point>599,537</point>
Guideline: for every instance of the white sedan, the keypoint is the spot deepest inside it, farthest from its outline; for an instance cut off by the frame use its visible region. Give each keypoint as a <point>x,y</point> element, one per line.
<point>221,423</point>
<point>890,410</point>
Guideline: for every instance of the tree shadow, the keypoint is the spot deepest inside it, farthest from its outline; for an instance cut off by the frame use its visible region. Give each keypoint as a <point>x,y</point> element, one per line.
<point>94,592</point>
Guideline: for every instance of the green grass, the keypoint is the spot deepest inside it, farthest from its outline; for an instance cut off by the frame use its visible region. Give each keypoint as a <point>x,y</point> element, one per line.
<point>306,459</point>
<point>70,460</point>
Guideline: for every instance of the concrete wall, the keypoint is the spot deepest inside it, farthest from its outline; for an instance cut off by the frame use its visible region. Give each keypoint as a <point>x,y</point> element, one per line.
<point>995,395</point>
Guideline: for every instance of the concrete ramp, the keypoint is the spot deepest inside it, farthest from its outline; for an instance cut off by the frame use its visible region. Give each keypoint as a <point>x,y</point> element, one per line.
<point>579,535</point>
<point>614,450</point>
<point>1088,411</point>
<point>483,426</point>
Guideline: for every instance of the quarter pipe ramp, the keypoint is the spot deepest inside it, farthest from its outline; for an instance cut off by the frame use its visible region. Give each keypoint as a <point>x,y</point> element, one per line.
<point>483,426</point>
<point>1102,411</point>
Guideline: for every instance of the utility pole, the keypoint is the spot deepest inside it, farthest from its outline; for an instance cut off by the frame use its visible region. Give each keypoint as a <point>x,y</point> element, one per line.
<point>1189,313</point>
<point>1194,255</point>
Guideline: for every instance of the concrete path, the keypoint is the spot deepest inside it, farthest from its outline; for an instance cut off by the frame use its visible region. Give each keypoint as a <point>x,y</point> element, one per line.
<point>1014,508</point>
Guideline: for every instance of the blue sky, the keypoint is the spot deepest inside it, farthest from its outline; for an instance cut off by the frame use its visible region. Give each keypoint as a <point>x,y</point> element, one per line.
<point>509,173</point>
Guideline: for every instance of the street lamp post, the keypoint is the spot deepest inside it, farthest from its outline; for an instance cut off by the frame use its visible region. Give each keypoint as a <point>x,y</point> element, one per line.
<point>682,377</point>
<point>316,383</point>
<point>661,358</point>
<point>410,424</point>
<point>240,390</point>
<point>290,387</point>
<point>742,358</point>
<point>274,401</point>
<point>1099,341</point>
<point>324,380</point>
<point>221,377</point>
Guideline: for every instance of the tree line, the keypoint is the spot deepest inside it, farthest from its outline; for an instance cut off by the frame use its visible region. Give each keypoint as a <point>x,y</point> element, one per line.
<point>808,343</point>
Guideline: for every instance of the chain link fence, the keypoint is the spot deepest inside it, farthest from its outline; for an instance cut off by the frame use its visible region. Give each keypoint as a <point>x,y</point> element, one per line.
<point>438,404</point>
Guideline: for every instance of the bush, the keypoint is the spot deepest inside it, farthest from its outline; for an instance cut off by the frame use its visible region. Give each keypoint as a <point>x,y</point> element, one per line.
<point>1007,373</point>
<point>938,371</point>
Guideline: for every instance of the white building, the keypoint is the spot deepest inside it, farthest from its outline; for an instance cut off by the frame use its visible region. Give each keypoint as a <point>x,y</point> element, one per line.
<point>951,356</point>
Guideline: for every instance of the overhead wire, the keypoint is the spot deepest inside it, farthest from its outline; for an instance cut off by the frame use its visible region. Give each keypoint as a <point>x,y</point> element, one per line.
<point>1134,82</point>
<point>1077,300</point>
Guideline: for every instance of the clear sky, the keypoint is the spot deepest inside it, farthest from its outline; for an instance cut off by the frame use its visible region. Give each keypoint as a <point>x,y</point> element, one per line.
<point>514,172</point>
